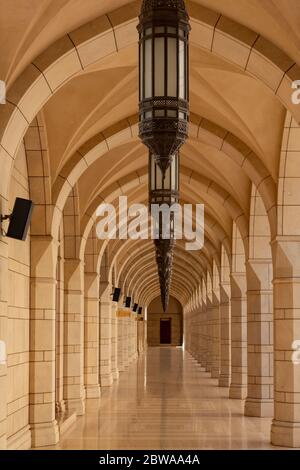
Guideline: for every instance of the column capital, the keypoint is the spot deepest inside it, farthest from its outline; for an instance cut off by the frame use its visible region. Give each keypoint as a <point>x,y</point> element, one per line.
<point>91,285</point>
<point>286,256</point>
<point>238,282</point>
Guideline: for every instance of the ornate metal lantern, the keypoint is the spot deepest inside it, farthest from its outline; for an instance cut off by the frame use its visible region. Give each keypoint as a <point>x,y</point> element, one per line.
<point>164,77</point>
<point>164,189</point>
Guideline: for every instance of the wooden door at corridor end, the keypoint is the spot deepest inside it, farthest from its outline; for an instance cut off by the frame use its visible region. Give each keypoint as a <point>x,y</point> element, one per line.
<point>165,331</point>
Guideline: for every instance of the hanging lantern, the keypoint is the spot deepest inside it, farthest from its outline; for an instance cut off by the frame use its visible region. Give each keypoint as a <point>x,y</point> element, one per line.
<point>164,77</point>
<point>164,259</point>
<point>164,189</point>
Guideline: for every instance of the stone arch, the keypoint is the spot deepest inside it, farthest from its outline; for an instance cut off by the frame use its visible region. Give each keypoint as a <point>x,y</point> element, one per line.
<point>204,183</point>
<point>200,128</point>
<point>37,156</point>
<point>74,52</point>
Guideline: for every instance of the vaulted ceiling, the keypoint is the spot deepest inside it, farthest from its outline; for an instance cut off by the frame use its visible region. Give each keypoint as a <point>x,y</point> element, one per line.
<point>225,100</point>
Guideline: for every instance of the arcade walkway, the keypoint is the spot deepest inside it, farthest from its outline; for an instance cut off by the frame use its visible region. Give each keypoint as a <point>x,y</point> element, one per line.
<point>165,401</point>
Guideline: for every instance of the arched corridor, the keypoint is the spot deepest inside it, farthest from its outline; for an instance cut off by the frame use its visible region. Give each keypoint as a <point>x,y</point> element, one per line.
<point>80,369</point>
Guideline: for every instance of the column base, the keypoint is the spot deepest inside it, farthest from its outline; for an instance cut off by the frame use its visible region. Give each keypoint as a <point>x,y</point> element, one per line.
<point>215,374</point>
<point>93,391</point>
<point>66,422</point>
<point>60,407</point>
<point>76,405</point>
<point>44,434</point>
<point>224,381</point>
<point>106,380</point>
<point>285,434</point>
<point>238,392</point>
<point>259,408</point>
<point>115,375</point>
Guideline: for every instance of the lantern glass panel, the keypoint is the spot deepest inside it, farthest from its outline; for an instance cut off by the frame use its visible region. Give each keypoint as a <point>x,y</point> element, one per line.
<point>148,68</point>
<point>172,67</point>
<point>141,70</point>
<point>159,57</point>
<point>174,174</point>
<point>182,70</point>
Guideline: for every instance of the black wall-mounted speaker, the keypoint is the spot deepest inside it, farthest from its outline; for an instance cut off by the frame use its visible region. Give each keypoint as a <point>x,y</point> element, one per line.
<point>116,294</point>
<point>128,302</point>
<point>135,307</point>
<point>140,310</point>
<point>20,219</point>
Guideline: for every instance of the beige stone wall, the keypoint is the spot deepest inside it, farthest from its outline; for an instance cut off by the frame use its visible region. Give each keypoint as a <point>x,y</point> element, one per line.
<point>18,320</point>
<point>154,328</point>
<point>155,314</point>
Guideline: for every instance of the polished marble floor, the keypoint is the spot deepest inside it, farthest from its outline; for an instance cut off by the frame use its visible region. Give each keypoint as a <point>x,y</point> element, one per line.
<point>164,401</point>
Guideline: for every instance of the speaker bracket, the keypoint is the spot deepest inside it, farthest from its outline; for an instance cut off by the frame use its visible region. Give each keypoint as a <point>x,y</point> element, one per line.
<point>5,217</point>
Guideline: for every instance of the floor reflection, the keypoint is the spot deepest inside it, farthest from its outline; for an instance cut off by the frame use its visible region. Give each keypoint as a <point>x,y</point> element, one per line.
<point>164,401</point>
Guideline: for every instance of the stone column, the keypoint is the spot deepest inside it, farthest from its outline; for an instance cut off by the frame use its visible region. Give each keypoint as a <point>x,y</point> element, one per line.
<point>204,334</point>
<point>125,344</point>
<point>259,400</point>
<point>3,337</point>
<point>286,423</point>
<point>192,347</point>
<point>59,335</point>
<point>191,324</point>
<point>134,337</point>
<point>121,361</point>
<point>91,335</point>
<point>130,349</point>
<point>209,314</point>
<point>195,333</point>
<point>238,386</point>
<point>74,393</point>
<point>202,340</point>
<point>187,330</point>
<point>106,378</point>
<point>215,329</point>
<point>114,341</point>
<point>141,336</point>
<point>225,362</point>
<point>198,333</point>
<point>44,429</point>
